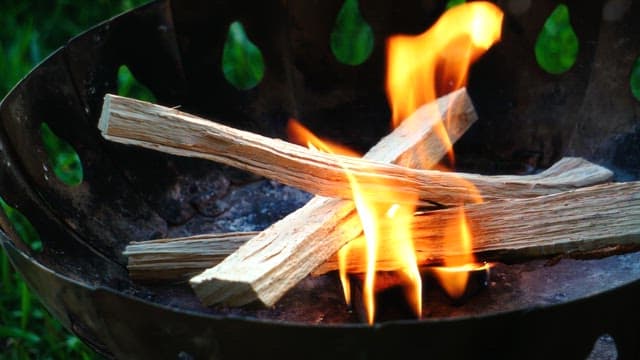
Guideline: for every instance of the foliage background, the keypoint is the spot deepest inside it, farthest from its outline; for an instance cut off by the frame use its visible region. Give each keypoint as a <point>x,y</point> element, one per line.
<point>29,31</point>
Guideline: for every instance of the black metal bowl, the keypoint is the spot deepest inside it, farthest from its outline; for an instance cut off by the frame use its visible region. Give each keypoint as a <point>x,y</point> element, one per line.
<point>528,119</point>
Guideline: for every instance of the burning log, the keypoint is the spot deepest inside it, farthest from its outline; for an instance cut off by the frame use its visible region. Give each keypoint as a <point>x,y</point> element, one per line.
<point>293,247</point>
<point>135,122</point>
<point>270,264</point>
<point>278,258</point>
<point>605,216</point>
<point>285,251</point>
<point>179,258</point>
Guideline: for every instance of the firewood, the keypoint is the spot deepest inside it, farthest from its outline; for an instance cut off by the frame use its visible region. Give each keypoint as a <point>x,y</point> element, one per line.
<point>135,122</point>
<point>572,223</point>
<point>274,261</point>
<point>130,121</point>
<point>605,215</point>
<point>179,258</point>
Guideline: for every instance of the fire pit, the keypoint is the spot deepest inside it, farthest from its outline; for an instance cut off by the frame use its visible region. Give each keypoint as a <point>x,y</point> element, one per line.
<point>530,116</point>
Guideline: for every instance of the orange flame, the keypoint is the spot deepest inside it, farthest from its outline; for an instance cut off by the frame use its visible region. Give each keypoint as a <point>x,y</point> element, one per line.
<point>457,39</point>
<point>420,68</point>
<point>385,226</point>
<point>299,134</point>
<point>454,275</point>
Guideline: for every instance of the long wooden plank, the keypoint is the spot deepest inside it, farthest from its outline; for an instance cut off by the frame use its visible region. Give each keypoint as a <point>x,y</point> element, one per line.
<point>573,222</point>
<point>139,123</point>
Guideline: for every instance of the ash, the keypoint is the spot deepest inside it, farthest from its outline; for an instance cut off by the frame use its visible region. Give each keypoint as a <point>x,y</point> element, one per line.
<point>249,207</point>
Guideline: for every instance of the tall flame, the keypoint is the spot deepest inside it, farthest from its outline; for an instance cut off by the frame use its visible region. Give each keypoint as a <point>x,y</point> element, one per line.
<point>459,37</point>
<point>419,69</point>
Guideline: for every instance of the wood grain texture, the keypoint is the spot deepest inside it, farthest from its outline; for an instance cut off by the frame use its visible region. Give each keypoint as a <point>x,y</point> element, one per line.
<point>605,216</point>
<point>270,264</point>
<point>134,122</point>
<point>179,258</point>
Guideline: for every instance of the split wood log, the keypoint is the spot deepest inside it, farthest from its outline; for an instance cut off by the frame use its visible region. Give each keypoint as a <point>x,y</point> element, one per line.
<point>605,216</point>
<point>274,261</point>
<point>569,223</point>
<point>135,122</point>
<point>179,258</point>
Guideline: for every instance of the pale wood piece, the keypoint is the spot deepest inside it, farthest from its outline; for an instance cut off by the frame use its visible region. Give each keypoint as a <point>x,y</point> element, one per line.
<point>605,216</point>
<point>135,122</point>
<point>270,264</point>
<point>177,259</point>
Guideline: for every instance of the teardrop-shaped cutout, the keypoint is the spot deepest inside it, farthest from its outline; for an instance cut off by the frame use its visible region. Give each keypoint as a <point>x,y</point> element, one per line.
<point>452,3</point>
<point>604,348</point>
<point>557,45</point>
<point>63,158</point>
<point>129,86</point>
<point>352,38</point>
<point>22,226</point>
<point>242,62</point>
<point>634,80</point>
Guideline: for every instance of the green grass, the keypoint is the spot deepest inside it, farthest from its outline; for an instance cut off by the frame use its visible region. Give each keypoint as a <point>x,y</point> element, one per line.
<point>29,31</point>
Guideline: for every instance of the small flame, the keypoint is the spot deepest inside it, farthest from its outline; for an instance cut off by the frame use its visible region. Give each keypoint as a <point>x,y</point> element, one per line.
<point>454,275</point>
<point>299,134</point>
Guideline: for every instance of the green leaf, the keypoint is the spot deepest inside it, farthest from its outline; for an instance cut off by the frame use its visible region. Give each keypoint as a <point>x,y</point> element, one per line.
<point>634,81</point>
<point>352,38</point>
<point>452,3</point>
<point>63,158</point>
<point>556,48</point>
<point>242,62</point>
<point>22,226</point>
<point>130,87</point>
